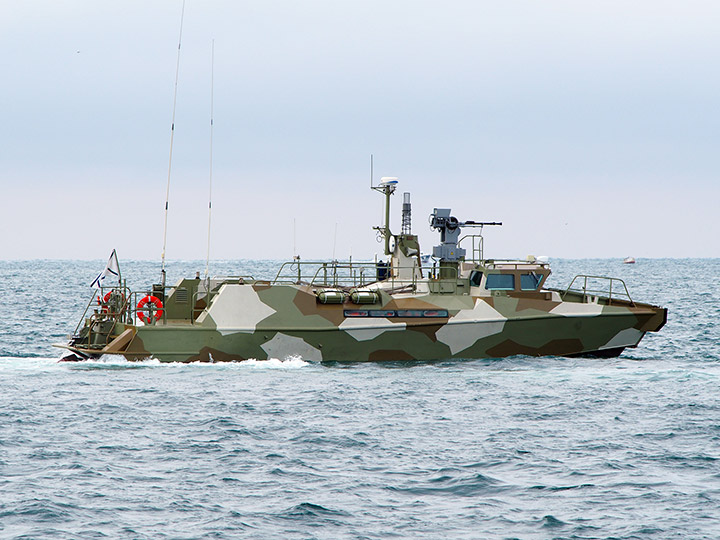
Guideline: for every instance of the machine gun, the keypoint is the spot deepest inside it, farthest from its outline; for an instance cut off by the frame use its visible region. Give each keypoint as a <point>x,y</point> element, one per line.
<point>450,227</point>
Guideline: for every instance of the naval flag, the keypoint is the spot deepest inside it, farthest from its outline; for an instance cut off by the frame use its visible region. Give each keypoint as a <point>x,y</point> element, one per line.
<point>112,270</point>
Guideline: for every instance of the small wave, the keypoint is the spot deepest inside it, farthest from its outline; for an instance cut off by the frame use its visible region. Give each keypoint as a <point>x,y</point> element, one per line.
<point>551,522</point>
<point>41,510</point>
<point>447,485</point>
<point>560,488</point>
<point>111,362</point>
<point>310,510</point>
<point>339,441</point>
<point>16,363</point>
<point>292,362</point>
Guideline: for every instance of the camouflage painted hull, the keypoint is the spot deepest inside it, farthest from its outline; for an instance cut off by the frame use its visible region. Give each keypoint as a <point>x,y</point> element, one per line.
<point>277,321</point>
<point>462,306</point>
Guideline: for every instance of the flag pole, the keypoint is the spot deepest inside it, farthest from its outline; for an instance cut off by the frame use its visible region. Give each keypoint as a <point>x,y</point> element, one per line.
<point>117,262</point>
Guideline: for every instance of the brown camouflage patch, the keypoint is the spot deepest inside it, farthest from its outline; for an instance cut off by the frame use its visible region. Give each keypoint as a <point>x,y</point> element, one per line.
<point>556,347</point>
<point>217,356</point>
<point>136,350</point>
<point>650,320</point>
<point>389,356</point>
<point>534,301</point>
<point>409,303</point>
<point>428,330</point>
<point>307,303</point>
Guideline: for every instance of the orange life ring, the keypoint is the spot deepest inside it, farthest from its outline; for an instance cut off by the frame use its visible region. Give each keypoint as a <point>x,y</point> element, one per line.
<point>151,317</point>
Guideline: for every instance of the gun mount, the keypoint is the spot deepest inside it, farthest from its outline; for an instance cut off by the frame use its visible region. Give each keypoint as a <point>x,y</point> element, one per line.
<point>450,227</point>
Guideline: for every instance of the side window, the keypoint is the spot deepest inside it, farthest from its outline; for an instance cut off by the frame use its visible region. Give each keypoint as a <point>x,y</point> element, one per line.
<point>530,282</point>
<point>500,282</point>
<point>475,278</point>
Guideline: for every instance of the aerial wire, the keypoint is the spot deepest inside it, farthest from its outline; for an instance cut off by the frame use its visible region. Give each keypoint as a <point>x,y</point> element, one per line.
<point>212,123</point>
<point>172,136</point>
<point>334,241</point>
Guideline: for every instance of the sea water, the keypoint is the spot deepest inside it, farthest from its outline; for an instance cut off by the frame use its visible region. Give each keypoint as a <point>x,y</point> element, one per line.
<point>510,448</point>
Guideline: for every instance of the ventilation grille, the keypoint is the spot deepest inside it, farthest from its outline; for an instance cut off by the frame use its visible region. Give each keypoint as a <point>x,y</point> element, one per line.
<point>181,296</point>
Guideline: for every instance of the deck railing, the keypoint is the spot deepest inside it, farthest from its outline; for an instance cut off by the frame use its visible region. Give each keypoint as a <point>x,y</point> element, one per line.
<point>476,248</point>
<point>598,286</point>
<point>101,317</point>
<point>329,273</point>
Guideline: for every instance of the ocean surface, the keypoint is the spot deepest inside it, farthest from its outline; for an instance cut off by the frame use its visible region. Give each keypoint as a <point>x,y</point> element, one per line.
<point>529,448</point>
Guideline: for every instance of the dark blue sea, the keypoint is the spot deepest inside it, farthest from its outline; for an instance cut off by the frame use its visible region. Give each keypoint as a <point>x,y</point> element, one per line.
<point>529,448</point>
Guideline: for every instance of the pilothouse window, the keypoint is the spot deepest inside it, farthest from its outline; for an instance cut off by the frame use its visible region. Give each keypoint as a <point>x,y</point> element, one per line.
<point>530,282</point>
<point>500,282</point>
<point>475,278</point>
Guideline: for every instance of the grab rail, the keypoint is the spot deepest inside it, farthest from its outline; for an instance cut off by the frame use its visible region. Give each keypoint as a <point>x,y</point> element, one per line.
<point>339,273</point>
<point>607,292</point>
<point>477,248</point>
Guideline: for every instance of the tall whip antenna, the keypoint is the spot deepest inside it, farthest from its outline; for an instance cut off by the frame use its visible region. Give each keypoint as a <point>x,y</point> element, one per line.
<point>172,136</point>
<point>334,241</point>
<point>371,171</point>
<point>212,95</point>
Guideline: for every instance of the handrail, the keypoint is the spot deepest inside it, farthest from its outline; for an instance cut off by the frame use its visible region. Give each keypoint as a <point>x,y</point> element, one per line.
<point>352,274</point>
<point>476,250</point>
<point>103,317</point>
<point>229,279</point>
<point>514,264</point>
<point>208,296</point>
<point>602,293</point>
<point>327,273</point>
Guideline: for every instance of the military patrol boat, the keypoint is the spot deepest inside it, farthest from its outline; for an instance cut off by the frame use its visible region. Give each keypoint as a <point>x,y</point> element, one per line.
<point>462,306</point>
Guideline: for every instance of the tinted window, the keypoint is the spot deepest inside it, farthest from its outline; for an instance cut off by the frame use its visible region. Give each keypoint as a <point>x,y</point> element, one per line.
<point>530,282</point>
<point>435,313</point>
<point>410,312</point>
<point>441,313</point>
<point>500,282</point>
<point>475,278</point>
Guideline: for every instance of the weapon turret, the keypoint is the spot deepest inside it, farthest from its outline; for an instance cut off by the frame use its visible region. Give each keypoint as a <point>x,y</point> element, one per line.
<point>450,228</point>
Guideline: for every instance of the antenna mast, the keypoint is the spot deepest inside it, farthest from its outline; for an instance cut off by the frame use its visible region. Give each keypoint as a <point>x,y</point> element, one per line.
<point>387,187</point>
<point>172,136</point>
<point>212,95</point>
<point>371,171</point>
<point>295,253</point>
<point>334,241</point>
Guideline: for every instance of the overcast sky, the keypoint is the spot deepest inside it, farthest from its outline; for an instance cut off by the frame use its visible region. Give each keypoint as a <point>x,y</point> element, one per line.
<point>591,129</point>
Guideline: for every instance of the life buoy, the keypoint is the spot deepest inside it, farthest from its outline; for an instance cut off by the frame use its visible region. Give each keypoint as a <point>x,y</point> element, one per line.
<point>150,317</point>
